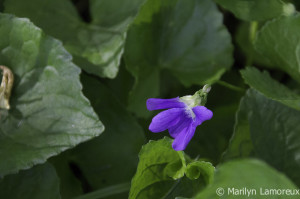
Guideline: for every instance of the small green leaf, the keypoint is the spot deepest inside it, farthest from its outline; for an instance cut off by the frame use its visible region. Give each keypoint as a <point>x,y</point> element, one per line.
<point>185,37</point>
<point>161,173</point>
<point>111,158</point>
<point>262,82</point>
<point>247,174</point>
<point>253,10</point>
<point>279,41</point>
<point>49,113</point>
<point>38,182</point>
<point>97,47</point>
<point>200,168</point>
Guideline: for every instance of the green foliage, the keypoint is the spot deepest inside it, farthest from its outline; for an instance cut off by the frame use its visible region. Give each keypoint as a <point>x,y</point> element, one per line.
<point>179,38</point>
<point>281,131</point>
<point>39,182</point>
<point>69,185</point>
<point>117,149</point>
<point>132,50</point>
<point>47,105</point>
<point>224,117</point>
<point>245,36</point>
<point>272,89</point>
<point>249,174</point>
<point>253,10</point>
<point>240,144</point>
<point>285,54</point>
<point>161,173</point>
<point>98,46</point>
<point>269,131</point>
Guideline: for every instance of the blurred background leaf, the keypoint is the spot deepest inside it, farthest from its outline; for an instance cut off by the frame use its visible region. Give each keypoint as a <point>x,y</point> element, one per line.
<point>244,37</point>
<point>38,182</point>
<point>97,46</point>
<point>111,159</point>
<point>69,182</point>
<point>249,174</point>
<point>253,10</point>
<point>1,5</point>
<point>285,54</point>
<point>186,38</point>
<point>240,145</point>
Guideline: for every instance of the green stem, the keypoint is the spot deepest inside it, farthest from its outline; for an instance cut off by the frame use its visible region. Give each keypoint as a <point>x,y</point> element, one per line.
<point>108,191</point>
<point>252,33</point>
<point>230,86</point>
<point>253,30</point>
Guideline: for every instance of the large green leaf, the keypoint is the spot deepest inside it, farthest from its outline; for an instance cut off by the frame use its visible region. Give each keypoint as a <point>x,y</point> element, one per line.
<point>275,133</point>
<point>96,47</point>
<point>268,130</point>
<point>233,179</point>
<point>185,37</point>
<point>38,182</point>
<point>161,173</point>
<point>111,158</point>
<point>279,41</point>
<point>262,82</point>
<point>241,143</point>
<point>49,114</point>
<point>253,10</point>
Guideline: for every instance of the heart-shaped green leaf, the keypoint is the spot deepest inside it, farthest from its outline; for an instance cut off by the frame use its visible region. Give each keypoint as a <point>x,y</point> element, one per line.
<point>165,173</point>
<point>49,113</point>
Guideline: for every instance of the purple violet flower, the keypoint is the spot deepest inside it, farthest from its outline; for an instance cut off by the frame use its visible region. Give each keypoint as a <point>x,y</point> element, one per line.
<point>182,117</point>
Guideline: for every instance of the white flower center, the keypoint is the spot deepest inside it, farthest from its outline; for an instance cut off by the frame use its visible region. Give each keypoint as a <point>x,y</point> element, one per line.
<point>191,100</point>
<point>190,113</point>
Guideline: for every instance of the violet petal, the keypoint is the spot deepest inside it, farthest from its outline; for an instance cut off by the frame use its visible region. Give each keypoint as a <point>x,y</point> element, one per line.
<point>155,103</point>
<point>184,137</point>
<point>202,114</point>
<point>166,119</point>
<point>183,123</point>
